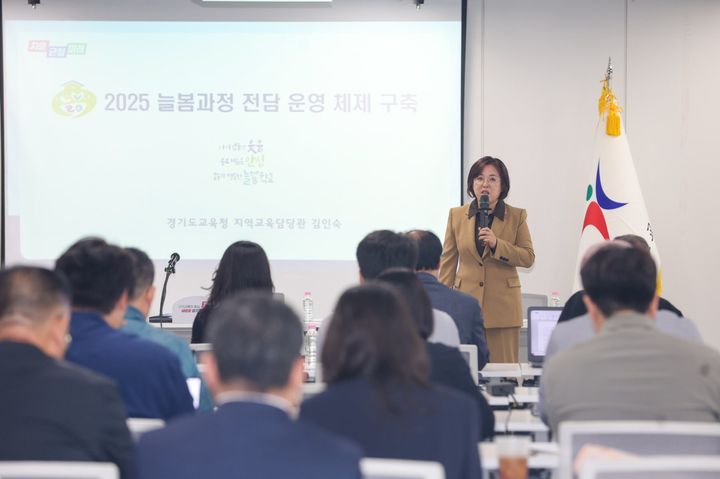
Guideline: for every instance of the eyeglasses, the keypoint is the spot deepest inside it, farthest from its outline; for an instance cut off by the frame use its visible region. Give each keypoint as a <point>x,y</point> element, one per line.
<point>492,180</point>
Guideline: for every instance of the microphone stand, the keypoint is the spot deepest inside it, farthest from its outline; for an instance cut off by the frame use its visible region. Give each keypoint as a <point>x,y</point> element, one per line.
<point>164,318</point>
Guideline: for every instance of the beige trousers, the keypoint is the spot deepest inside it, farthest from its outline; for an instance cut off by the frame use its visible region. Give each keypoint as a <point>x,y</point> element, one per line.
<point>503,344</point>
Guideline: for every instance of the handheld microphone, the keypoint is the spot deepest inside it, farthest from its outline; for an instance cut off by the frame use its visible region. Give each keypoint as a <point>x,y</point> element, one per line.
<point>484,211</point>
<point>174,258</point>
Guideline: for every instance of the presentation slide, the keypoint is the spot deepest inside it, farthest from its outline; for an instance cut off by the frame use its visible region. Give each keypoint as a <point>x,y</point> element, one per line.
<point>188,136</point>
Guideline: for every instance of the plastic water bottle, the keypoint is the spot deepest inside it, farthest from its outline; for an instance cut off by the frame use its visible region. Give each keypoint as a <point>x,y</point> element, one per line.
<point>555,299</point>
<point>310,344</point>
<point>307,305</point>
<point>311,349</point>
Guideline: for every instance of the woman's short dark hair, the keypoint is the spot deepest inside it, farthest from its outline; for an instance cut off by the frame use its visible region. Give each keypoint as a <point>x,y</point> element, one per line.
<point>413,292</point>
<point>371,335</point>
<point>243,266</point>
<point>477,168</point>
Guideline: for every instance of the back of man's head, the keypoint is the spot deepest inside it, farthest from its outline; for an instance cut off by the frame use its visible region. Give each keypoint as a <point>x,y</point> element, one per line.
<point>385,249</point>
<point>143,273</point>
<point>429,250</point>
<point>255,340</point>
<point>30,295</point>
<point>635,241</point>
<point>619,277</point>
<point>99,273</point>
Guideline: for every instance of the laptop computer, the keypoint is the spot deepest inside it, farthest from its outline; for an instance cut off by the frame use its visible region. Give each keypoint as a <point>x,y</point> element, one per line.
<point>470,354</point>
<point>541,322</point>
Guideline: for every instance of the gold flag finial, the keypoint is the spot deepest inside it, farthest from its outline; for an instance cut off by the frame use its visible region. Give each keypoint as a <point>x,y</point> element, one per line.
<point>607,104</point>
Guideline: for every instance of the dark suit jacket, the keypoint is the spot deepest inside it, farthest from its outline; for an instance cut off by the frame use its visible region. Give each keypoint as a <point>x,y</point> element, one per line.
<point>430,424</point>
<point>199,325</point>
<point>245,440</point>
<point>450,369</point>
<point>575,307</point>
<point>54,411</point>
<point>463,309</point>
<point>149,377</point>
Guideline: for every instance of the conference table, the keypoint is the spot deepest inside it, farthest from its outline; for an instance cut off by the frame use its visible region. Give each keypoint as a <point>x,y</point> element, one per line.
<point>510,370</point>
<point>182,330</point>
<point>519,421</point>
<point>522,395</point>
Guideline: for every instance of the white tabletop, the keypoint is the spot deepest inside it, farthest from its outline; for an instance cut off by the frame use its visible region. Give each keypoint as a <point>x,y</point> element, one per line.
<point>521,420</point>
<point>181,326</point>
<point>543,455</point>
<point>501,370</point>
<point>522,395</point>
<point>528,370</point>
<point>201,347</point>
<point>509,370</point>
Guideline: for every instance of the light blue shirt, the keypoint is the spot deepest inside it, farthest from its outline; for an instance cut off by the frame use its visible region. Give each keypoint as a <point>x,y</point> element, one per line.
<point>580,329</point>
<point>445,330</point>
<point>136,324</point>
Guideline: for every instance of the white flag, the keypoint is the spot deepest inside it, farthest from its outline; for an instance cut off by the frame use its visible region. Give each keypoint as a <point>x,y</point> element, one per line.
<point>614,203</point>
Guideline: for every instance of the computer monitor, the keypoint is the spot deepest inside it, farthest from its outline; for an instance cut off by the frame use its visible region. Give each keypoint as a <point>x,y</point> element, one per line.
<point>541,322</point>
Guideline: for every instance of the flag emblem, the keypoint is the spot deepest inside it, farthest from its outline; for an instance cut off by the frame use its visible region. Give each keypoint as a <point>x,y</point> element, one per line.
<point>614,203</point>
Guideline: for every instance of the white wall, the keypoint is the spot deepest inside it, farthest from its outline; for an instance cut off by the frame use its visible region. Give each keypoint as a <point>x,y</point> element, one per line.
<point>534,79</point>
<point>533,76</point>
<point>197,10</point>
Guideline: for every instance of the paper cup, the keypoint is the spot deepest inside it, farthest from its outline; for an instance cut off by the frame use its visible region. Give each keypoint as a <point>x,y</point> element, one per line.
<point>513,456</point>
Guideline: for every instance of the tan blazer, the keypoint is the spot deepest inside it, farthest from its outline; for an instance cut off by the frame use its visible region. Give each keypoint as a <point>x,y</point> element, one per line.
<point>492,278</point>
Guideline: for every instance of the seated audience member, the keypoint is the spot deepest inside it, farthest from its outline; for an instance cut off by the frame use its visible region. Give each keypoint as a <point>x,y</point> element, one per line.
<point>243,266</point>
<point>140,299</point>
<point>51,410</point>
<point>385,249</point>
<point>462,308</point>
<point>147,374</point>
<point>630,370</point>
<point>378,390</point>
<point>570,333</point>
<point>447,366</point>
<point>575,307</point>
<point>255,373</point>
